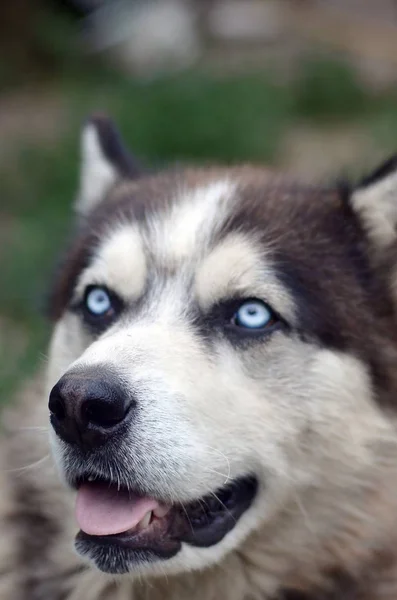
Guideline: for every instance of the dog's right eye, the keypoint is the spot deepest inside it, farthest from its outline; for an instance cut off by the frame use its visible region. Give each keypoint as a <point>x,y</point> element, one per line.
<point>254,315</point>
<point>247,318</point>
<point>100,306</point>
<point>98,302</point>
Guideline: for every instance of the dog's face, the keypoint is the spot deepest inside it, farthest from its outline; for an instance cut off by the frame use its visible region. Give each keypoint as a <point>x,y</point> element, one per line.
<point>221,348</point>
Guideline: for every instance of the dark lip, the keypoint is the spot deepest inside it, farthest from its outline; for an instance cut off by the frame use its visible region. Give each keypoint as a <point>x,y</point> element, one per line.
<point>202,523</point>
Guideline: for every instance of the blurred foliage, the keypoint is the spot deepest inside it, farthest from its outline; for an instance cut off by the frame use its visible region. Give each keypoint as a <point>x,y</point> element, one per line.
<point>190,117</point>
<point>328,89</point>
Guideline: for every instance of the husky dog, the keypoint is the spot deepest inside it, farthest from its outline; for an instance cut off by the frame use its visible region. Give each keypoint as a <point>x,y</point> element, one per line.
<point>220,393</point>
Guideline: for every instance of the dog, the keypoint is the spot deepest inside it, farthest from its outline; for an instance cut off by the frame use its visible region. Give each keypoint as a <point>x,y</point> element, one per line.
<point>217,416</point>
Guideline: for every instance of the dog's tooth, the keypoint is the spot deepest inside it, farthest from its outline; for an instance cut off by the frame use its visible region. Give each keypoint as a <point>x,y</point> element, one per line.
<point>90,478</point>
<point>161,511</point>
<point>145,521</point>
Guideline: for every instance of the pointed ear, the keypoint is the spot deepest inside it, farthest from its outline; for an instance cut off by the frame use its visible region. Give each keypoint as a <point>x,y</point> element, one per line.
<point>104,160</point>
<point>375,202</point>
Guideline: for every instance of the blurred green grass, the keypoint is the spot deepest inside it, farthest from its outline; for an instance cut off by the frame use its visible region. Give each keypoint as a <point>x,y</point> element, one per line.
<point>191,117</point>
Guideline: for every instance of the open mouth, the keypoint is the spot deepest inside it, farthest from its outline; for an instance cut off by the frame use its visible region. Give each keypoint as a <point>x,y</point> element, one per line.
<point>119,528</point>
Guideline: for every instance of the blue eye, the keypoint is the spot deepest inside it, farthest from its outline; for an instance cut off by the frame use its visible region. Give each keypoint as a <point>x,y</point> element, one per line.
<point>253,314</point>
<point>98,302</point>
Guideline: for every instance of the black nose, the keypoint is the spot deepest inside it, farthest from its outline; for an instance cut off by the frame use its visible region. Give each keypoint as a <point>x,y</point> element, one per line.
<point>87,407</point>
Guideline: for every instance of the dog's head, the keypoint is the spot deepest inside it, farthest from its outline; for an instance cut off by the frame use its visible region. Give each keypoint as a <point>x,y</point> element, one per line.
<point>222,347</point>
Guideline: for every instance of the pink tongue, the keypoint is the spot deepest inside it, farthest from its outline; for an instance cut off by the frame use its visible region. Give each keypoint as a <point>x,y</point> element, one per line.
<point>103,510</point>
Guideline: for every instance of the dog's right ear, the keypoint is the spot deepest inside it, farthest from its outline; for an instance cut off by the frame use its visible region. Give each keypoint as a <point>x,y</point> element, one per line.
<point>105,160</point>
<point>374,200</point>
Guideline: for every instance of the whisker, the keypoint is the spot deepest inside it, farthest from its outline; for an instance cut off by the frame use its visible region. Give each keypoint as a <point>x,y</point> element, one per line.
<point>164,573</point>
<point>304,514</point>
<point>44,357</point>
<point>227,477</point>
<point>32,429</point>
<point>224,506</point>
<point>187,516</point>
<point>37,463</point>
<point>118,477</point>
<point>203,505</point>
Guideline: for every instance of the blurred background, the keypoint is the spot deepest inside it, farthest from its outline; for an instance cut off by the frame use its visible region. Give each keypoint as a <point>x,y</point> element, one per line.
<point>308,85</point>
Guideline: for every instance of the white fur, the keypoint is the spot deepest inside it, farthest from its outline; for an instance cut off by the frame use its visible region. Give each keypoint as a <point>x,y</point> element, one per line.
<point>119,262</point>
<point>97,173</point>
<point>224,423</point>
<point>194,217</point>
<point>236,266</point>
<point>377,206</point>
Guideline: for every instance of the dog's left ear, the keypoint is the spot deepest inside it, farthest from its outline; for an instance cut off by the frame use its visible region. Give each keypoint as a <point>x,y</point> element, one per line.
<point>374,200</point>
<point>105,160</point>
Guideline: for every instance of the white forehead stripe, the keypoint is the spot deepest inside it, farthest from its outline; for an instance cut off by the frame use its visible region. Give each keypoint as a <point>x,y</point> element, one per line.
<point>119,262</point>
<point>192,220</point>
<point>232,266</point>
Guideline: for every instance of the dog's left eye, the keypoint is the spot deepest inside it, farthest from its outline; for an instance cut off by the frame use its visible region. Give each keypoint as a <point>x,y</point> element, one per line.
<point>97,301</point>
<point>253,314</point>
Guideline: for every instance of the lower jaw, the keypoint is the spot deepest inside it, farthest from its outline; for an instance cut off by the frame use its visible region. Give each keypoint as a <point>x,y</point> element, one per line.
<point>114,557</point>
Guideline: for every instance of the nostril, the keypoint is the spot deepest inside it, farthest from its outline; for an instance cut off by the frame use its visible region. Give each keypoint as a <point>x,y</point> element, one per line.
<point>87,408</point>
<point>56,405</point>
<point>102,413</point>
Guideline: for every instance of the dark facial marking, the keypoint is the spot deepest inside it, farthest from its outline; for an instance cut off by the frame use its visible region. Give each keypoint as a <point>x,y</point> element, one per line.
<point>322,255</point>
<point>383,171</point>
